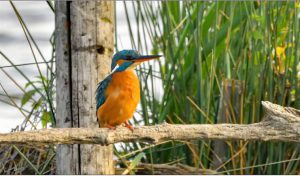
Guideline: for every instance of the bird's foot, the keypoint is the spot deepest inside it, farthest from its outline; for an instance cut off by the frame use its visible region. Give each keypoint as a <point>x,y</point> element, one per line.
<point>110,127</point>
<point>128,126</point>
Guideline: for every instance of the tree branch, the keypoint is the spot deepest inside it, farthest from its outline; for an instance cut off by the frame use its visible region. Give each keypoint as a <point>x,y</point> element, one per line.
<point>279,124</point>
<point>165,169</point>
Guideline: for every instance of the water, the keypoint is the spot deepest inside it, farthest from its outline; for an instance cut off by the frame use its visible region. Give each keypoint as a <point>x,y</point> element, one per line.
<point>40,21</point>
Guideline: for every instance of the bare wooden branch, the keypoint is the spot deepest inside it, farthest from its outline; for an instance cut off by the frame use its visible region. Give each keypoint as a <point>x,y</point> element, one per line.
<point>176,169</point>
<point>280,124</point>
<point>166,169</point>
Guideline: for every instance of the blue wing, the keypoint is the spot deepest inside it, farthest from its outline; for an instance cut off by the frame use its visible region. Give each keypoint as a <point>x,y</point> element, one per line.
<point>100,92</point>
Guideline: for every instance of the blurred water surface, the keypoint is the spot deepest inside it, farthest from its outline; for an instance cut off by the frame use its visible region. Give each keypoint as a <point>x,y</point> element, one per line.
<point>40,21</point>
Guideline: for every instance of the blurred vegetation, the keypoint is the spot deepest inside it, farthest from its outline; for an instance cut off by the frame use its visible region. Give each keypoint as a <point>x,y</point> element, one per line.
<point>245,51</point>
<point>219,58</point>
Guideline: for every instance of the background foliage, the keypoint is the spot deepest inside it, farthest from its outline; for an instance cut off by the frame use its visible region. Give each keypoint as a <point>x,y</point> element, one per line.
<point>219,57</point>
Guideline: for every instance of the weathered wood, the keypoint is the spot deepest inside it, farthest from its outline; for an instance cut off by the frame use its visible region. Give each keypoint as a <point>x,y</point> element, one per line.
<point>165,169</point>
<point>280,124</point>
<point>229,112</point>
<point>89,37</point>
<point>66,155</point>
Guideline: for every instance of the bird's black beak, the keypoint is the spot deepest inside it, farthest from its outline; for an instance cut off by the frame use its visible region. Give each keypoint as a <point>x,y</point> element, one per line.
<point>145,58</point>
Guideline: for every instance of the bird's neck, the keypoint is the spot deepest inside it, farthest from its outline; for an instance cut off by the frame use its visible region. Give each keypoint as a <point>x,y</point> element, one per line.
<point>129,71</point>
<point>126,78</point>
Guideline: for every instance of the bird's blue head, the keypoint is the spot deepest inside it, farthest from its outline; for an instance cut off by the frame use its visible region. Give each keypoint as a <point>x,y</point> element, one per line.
<point>130,57</point>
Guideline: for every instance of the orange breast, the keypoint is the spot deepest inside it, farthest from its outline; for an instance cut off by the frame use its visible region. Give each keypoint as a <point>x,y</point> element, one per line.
<point>122,97</point>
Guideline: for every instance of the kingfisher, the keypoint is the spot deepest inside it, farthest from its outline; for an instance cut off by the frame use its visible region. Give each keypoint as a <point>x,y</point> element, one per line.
<point>118,95</point>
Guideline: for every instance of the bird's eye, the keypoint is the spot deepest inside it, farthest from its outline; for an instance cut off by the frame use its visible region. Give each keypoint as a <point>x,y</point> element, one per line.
<point>128,57</point>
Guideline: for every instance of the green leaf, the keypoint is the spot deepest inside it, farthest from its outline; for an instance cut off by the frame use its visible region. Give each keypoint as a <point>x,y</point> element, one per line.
<point>36,105</point>
<point>257,35</point>
<point>42,79</point>
<point>28,84</point>
<point>45,118</point>
<point>27,96</point>
<point>134,163</point>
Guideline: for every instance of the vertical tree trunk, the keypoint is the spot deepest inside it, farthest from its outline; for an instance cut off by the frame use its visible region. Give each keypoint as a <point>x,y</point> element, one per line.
<point>84,46</point>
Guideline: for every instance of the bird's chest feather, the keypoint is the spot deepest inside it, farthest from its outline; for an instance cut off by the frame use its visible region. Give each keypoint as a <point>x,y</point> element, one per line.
<point>124,87</point>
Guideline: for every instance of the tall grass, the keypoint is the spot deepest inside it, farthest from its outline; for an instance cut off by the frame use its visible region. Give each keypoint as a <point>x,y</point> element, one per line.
<point>204,44</point>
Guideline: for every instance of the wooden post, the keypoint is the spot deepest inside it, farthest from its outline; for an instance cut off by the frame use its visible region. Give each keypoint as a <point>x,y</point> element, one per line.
<point>84,47</point>
<point>229,112</point>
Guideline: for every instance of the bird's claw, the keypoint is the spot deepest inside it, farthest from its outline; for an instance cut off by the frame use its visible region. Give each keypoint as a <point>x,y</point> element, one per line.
<point>128,126</point>
<point>110,127</point>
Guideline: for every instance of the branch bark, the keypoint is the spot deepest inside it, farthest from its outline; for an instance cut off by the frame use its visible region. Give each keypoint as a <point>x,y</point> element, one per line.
<point>279,124</point>
<point>165,169</point>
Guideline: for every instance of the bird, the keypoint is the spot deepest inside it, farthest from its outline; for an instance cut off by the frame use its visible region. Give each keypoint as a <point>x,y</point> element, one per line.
<point>118,95</point>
